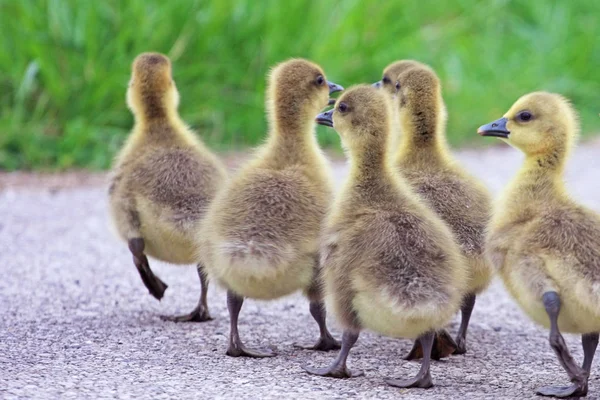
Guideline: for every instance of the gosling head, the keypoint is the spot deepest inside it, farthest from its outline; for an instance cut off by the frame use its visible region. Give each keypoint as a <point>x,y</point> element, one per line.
<point>298,89</point>
<point>361,118</point>
<point>391,72</point>
<point>152,92</point>
<point>419,94</point>
<point>539,124</point>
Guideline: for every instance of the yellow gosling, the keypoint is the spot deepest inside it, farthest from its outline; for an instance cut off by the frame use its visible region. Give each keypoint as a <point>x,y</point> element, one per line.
<point>389,264</point>
<point>162,180</point>
<point>545,246</point>
<point>426,162</point>
<point>260,239</point>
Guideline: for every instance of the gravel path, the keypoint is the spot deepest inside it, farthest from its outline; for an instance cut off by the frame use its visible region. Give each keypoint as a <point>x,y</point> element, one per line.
<point>77,322</point>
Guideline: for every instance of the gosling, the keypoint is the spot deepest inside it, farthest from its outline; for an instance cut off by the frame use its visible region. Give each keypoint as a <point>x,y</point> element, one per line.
<point>545,246</point>
<point>462,201</point>
<point>389,264</point>
<point>162,180</point>
<point>260,237</point>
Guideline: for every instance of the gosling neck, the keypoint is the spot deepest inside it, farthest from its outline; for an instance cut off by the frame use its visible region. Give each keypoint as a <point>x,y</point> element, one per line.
<point>291,136</point>
<point>422,136</point>
<point>369,163</point>
<point>166,125</point>
<point>288,117</point>
<point>541,175</point>
<point>156,114</point>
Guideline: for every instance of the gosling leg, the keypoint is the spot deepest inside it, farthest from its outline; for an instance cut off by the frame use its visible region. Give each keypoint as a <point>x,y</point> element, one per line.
<point>466,310</point>
<point>236,347</point>
<point>577,375</point>
<point>155,286</point>
<point>326,342</point>
<point>589,342</point>
<point>339,369</point>
<point>200,313</point>
<point>423,377</point>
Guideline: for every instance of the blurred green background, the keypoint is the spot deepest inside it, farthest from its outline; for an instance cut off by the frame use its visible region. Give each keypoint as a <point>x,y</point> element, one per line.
<point>64,65</point>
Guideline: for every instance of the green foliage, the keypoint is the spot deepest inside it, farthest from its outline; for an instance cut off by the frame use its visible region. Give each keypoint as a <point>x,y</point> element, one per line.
<point>65,64</point>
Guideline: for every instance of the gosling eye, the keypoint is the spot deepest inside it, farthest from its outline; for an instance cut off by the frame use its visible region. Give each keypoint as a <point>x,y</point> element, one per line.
<point>386,80</point>
<point>320,80</point>
<point>524,116</point>
<point>343,107</point>
<point>397,85</point>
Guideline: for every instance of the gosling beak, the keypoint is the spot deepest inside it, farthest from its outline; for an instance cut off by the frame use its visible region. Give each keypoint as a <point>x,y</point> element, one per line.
<point>377,85</point>
<point>333,87</point>
<point>325,118</point>
<point>495,129</point>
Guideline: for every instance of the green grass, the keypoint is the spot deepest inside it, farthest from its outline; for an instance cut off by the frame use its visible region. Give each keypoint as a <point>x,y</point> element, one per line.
<point>65,64</point>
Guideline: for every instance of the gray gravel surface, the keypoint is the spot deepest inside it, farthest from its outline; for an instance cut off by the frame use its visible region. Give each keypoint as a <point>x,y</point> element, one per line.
<point>77,322</point>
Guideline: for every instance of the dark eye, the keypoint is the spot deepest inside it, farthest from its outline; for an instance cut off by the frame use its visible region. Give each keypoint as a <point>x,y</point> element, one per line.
<point>343,107</point>
<point>397,85</point>
<point>320,80</point>
<point>524,116</point>
<point>386,80</point>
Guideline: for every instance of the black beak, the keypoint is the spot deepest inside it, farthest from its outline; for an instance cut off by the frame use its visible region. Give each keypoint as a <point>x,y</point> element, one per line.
<point>495,129</point>
<point>377,85</point>
<point>325,118</point>
<point>333,87</point>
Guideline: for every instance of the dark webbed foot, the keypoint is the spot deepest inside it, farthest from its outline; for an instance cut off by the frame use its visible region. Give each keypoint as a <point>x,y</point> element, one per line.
<point>327,343</point>
<point>333,371</point>
<point>240,350</point>
<point>443,346</point>
<point>200,313</point>
<point>339,369</point>
<point>423,377</point>
<point>423,382</point>
<point>416,353</point>
<point>155,286</point>
<point>461,346</point>
<point>575,390</point>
